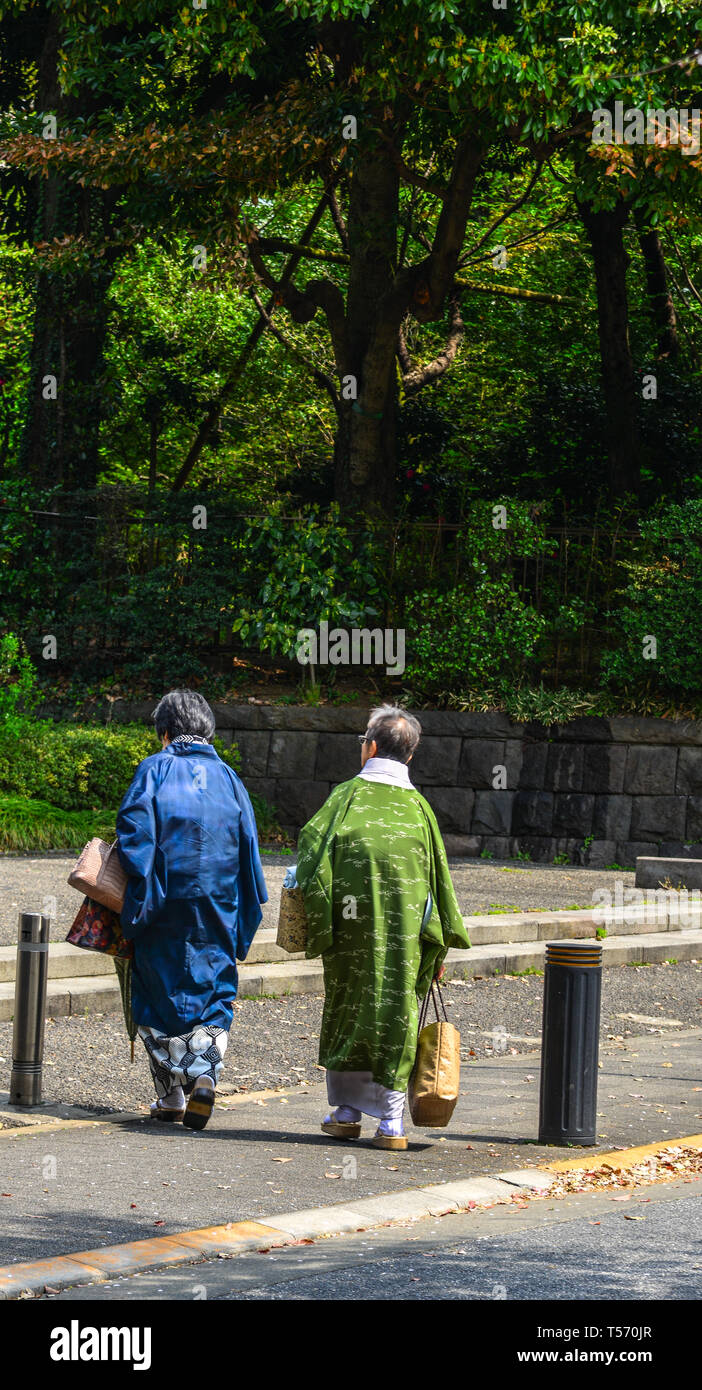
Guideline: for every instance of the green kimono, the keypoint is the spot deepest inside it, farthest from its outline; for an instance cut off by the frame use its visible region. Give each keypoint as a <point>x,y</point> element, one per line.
<point>366,862</point>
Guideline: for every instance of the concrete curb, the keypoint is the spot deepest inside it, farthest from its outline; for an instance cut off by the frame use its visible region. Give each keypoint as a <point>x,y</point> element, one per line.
<point>36,1277</point>
<point>621,1159</point>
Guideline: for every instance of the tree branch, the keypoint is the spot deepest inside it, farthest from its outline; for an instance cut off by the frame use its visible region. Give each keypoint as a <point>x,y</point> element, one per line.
<point>240,365</point>
<point>414,380</point>
<point>321,378</point>
<point>303,305</point>
<point>514,292</point>
<point>403,355</point>
<point>310,253</point>
<point>503,216</point>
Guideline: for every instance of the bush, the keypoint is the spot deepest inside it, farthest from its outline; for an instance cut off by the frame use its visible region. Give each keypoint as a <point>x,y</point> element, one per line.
<point>483,630</point>
<point>78,767</point>
<point>662,601</point>
<point>18,683</point>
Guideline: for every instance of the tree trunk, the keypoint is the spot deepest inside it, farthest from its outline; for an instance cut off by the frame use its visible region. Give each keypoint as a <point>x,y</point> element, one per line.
<point>659,297</point>
<point>365,453</point>
<point>605,231</point>
<point>61,437</point>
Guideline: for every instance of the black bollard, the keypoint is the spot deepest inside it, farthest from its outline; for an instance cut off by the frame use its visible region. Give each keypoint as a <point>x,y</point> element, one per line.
<point>570,1043</point>
<point>30,1006</point>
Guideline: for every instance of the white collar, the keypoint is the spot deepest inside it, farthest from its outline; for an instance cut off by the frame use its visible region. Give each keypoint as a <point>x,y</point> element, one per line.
<point>386,770</point>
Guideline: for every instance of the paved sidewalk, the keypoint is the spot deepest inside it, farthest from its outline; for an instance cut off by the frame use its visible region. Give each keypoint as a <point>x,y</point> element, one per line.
<point>74,1184</point>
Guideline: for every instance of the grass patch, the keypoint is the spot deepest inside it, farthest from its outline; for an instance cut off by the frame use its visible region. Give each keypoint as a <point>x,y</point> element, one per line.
<point>27,825</point>
<point>530,970</point>
<point>496,909</point>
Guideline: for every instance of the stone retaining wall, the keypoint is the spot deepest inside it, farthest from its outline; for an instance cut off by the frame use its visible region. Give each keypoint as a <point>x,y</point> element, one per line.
<point>600,791</point>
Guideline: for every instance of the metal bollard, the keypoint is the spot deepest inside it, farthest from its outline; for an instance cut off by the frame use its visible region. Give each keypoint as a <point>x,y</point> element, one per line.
<point>570,1043</point>
<point>30,1006</point>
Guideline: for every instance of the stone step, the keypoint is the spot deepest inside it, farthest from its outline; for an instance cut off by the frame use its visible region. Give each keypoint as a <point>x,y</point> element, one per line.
<point>491,929</point>
<point>651,872</point>
<point>101,995</point>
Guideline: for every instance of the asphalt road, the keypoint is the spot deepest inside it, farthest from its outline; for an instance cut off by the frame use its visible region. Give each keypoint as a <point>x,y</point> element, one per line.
<point>100,1182</point>
<point>587,1247</point>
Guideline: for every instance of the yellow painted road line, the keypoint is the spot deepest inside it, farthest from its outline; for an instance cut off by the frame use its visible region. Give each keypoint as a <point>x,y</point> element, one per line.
<point>624,1158</point>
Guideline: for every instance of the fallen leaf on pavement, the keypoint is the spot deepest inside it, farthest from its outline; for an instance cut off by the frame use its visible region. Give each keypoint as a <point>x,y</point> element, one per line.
<point>629,1216</point>
<point>332,1175</point>
<point>622,1197</point>
<point>281,1160</point>
<point>159,1223</point>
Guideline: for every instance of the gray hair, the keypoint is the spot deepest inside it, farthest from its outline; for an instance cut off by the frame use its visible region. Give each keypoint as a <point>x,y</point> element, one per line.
<point>183,712</point>
<point>395,731</point>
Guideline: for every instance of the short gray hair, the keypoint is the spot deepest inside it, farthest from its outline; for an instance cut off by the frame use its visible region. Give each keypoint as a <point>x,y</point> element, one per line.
<point>395,732</point>
<point>183,712</point>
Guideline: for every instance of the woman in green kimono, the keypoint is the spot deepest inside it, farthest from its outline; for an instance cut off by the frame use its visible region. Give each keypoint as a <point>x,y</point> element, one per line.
<point>382,913</point>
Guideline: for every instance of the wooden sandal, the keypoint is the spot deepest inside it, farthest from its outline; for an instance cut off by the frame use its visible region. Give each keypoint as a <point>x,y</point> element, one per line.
<point>166,1113</point>
<point>200,1106</point>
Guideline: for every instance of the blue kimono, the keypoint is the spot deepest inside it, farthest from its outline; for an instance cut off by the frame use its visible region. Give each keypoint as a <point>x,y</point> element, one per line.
<point>186,836</point>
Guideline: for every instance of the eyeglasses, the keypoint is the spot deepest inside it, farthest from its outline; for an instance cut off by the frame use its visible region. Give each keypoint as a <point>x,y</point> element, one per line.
<point>362,738</point>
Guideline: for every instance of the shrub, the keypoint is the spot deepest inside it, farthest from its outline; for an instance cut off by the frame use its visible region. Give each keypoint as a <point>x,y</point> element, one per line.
<point>17,685</point>
<point>662,600</point>
<point>78,767</point>
<point>470,636</point>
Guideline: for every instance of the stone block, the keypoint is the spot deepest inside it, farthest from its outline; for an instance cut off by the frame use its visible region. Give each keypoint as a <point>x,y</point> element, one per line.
<point>498,846</point>
<point>436,761</point>
<point>492,813</point>
<point>453,808</point>
<point>513,762</point>
<point>532,813</point>
<point>658,817</point>
<point>540,848</point>
<point>133,711</point>
<point>338,757</point>
<point>689,775</point>
<point>601,853</point>
<point>293,754</point>
<point>628,851</point>
<point>673,732</point>
<point>253,747</point>
<point>261,786</point>
<point>564,767</point>
<point>462,846</point>
<point>652,871</point>
<point>693,820</point>
<point>612,817</point>
<point>588,729</point>
<point>650,771</point>
<point>533,770</point>
<point>603,768</point>
<point>572,813</point>
<point>488,724</point>
<point>479,758</point>
<point>296,801</point>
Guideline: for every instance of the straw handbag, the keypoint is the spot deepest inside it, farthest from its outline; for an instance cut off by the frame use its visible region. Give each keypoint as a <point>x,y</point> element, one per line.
<point>433,1086</point>
<point>292,922</point>
<point>99,875</point>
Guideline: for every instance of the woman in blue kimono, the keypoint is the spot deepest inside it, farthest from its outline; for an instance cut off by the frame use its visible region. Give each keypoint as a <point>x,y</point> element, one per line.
<point>186,836</point>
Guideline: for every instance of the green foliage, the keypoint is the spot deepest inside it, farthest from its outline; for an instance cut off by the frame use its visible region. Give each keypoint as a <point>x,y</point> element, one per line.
<point>17,686</point>
<point>35,825</point>
<point>662,601</point>
<point>311,571</point>
<point>78,767</point>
